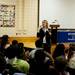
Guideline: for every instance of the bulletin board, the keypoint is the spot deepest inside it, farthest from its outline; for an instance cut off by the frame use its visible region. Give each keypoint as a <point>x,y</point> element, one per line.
<point>7,15</point>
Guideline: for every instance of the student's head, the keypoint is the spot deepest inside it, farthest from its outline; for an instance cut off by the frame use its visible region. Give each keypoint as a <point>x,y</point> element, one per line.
<point>38,44</point>
<point>39,56</point>
<point>21,45</point>
<point>59,50</point>
<point>12,51</point>
<point>14,42</point>
<point>4,39</point>
<point>45,24</point>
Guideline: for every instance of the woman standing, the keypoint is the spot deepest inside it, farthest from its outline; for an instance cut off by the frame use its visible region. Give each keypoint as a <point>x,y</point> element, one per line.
<point>45,34</point>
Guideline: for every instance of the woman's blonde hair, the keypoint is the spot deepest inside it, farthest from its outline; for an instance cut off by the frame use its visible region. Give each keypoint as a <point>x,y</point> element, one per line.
<point>46,23</point>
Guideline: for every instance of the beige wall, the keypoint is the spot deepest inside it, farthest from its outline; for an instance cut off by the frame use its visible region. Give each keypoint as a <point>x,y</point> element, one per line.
<point>30,16</point>
<point>25,18</point>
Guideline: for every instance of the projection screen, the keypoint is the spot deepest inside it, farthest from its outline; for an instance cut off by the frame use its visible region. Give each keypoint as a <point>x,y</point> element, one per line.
<point>61,10</point>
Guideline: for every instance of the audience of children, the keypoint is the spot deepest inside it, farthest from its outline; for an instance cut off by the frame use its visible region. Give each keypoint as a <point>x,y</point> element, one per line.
<point>16,60</point>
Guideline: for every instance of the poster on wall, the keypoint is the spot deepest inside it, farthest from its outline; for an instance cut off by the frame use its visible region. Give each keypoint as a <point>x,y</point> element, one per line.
<point>7,15</point>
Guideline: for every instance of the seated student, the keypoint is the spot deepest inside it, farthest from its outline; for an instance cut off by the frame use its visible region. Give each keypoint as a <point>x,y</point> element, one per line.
<point>15,60</point>
<point>59,51</point>
<point>38,45</point>
<point>40,65</point>
<point>4,43</point>
<point>71,59</point>
<point>59,59</point>
<point>45,50</point>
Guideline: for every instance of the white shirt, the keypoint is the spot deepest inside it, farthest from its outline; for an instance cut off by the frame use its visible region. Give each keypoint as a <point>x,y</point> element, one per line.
<point>32,53</point>
<point>44,39</point>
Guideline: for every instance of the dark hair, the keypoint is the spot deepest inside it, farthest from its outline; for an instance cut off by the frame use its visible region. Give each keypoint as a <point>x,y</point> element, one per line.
<point>14,42</point>
<point>2,62</point>
<point>21,45</point>
<point>4,40</point>
<point>5,37</point>
<point>39,56</point>
<point>38,43</point>
<point>12,51</point>
<point>21,51</point>
<point>59,50</point>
